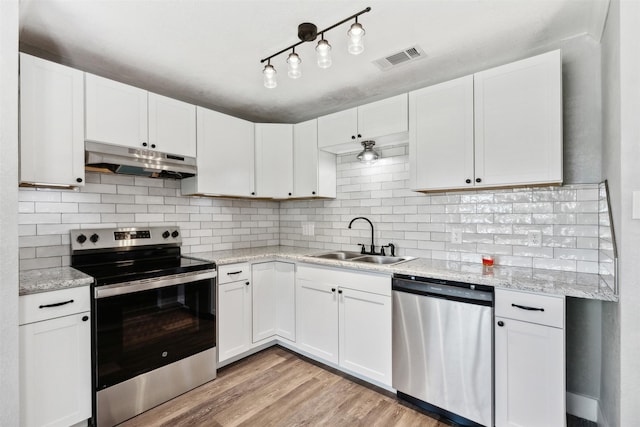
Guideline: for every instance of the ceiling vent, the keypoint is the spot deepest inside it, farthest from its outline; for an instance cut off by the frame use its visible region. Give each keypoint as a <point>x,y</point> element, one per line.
<point>404,56</point>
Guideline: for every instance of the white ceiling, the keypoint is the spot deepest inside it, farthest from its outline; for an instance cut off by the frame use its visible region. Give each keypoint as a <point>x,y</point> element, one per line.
<point>207,51</point>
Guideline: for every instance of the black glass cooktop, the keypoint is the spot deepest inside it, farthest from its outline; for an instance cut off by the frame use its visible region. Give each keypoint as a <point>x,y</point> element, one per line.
<point>128,265</point>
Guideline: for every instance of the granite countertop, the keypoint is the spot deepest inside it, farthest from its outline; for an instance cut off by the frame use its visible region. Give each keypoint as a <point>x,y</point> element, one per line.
<point>52,279</point>
<point>580,285</point>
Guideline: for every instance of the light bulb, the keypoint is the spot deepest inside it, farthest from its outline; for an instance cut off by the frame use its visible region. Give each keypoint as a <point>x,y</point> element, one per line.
<point>368,156</point>
<point>293,62</point>
<point>269,76</point>
<point>355,33</point>
<point>323,50</point>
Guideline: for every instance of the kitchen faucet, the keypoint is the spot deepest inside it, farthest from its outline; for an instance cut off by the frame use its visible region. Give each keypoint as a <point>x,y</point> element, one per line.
<point>373,247</point>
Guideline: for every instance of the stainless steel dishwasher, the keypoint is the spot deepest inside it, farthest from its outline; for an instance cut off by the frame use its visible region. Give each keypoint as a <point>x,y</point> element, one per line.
<point>443,347</point>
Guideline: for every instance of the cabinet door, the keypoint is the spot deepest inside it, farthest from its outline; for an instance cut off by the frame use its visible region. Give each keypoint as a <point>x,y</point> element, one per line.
<point>274,160</point>
<point>339,128</point>
<point>305,159</point>
<point>264,300</point>
<point>285,296</point>
<point>529,374</point>
<point>51,123</point>
<point>383,118</point>
<point>225,156</point>
<point>234,319</point>
<point>518,122</point>
<point>115,113</point>
<point>441,136</point>
<point>55,371</point>
<point>172,126</point>
<point>317,318</point>
<point>365,334</point>
<point>314,171</point>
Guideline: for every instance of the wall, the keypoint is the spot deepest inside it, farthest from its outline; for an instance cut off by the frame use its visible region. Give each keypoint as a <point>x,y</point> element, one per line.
<point>629,227</point>
<point>46,216</point>
<point>9,406</point>
<point>493,222</point>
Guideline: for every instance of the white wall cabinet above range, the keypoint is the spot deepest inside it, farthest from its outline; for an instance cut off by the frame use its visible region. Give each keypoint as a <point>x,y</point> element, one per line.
<point>529,360</point>
<point>55,358</point>
<point>499,127</point>
<point>51,123</point>
<point>344,317</point>
<point>225,156</point>
<point>384,121</point>
<point>314,171</point>
<point>120,114</point>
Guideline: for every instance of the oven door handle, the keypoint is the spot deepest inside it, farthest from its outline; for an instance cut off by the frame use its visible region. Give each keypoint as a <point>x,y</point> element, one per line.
<point>153,283</point>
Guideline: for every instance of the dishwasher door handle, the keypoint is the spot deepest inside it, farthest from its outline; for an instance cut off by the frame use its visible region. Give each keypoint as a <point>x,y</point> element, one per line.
<point>524,307</point>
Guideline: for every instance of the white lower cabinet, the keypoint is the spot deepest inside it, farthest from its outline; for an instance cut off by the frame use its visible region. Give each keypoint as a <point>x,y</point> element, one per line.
<point>344,317</point>
<point>55,358</point>
<point>529,360</point>
<point>234,310</point>
<point>273,300</point>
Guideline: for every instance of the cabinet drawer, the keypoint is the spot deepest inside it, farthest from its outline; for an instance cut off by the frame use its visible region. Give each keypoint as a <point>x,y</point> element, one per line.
<point>233,272</point>
<point>528,307</point>
<point>44,305</point>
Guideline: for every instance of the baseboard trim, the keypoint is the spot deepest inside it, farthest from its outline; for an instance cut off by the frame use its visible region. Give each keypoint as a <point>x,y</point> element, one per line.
<point>582,406</point>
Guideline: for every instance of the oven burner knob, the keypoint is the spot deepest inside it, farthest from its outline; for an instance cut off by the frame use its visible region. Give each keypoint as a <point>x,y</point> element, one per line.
<point>81,239</point>
<point>166,234</point>
<point>94,238</point>
<point>175,234</point>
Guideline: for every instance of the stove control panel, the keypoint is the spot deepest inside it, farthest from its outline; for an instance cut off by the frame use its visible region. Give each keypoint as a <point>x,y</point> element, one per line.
<point>104,238</point>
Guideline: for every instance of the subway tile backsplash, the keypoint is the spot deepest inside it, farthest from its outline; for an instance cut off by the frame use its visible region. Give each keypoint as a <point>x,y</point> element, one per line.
<point>207,224</point>
<point>571,220</point>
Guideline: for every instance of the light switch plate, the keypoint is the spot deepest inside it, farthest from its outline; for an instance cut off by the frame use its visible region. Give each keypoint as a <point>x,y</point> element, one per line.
<point>635,211</point>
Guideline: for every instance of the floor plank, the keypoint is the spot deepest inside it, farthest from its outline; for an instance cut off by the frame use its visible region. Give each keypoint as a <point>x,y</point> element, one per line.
<point>279,388</point>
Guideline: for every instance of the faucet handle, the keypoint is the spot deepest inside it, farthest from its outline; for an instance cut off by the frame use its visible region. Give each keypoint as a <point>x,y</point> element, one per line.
<point>362,250</point>
<point>391,246</point>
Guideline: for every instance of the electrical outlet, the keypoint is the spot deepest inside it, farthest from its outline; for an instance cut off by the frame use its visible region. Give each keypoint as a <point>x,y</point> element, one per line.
<point>535,238</point>
<point>456,236</point>
<point>308,229</point>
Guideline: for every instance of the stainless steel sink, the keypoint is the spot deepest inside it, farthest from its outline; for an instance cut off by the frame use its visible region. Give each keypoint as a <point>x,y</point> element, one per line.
<point>358,257</point>
<point>339,255</point>
<point>381,259</point>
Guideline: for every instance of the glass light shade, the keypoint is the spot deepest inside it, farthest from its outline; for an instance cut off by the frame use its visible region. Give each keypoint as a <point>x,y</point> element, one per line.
<point>356,44</point>
<point>269,76</point>
<point>293,62</point>
<point>323,50</point>
<point>368,156</point>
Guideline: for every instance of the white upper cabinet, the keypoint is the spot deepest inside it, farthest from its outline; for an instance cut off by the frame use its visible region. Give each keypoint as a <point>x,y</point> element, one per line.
<point>314,171</point>
<point>120,114</point>
<point>500,127</point>
<point>441,135</point>
<point>384,121</point>
<point>274,160</point>
<point>51,123</point>
<point>225,156</point>
<point>172,125</point>
<point>116,113</point>
<point>518,122</point>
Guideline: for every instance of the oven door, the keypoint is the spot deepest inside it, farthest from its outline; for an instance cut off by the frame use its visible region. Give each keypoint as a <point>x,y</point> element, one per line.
<point>142,326</point>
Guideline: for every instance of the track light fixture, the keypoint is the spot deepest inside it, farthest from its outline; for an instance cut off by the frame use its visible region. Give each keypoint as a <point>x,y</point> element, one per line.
<point>308,32</point>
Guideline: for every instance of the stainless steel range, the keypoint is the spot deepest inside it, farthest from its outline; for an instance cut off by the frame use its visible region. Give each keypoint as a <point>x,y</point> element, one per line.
<point>154,332</point>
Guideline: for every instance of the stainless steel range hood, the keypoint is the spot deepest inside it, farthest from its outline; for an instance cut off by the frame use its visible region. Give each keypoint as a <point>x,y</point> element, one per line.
<point>101,157</point>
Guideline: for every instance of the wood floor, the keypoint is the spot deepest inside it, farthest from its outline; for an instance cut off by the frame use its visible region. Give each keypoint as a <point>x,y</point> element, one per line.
<point>278,388</point>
